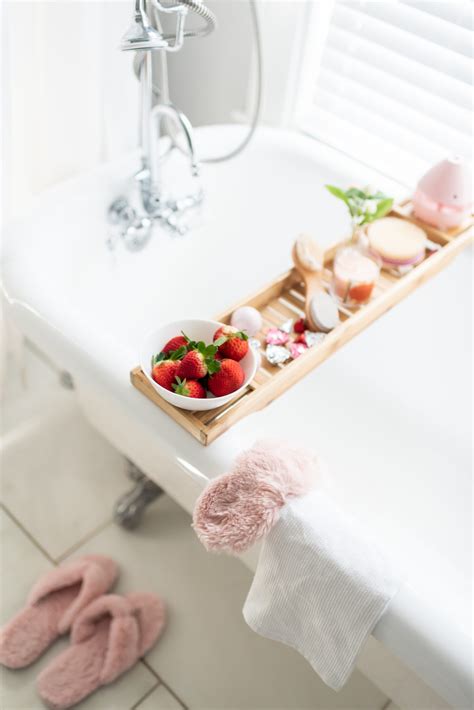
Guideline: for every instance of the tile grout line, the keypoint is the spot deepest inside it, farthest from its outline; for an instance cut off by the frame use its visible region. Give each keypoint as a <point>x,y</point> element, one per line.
<point>162,682</point>
<point>26,532</point>
<point>83,540</point>
<point>147,694</point>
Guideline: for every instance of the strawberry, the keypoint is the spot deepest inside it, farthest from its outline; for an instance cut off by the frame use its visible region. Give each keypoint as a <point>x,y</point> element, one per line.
<point>192,366</point>
<point>300,326</point>
<point>189,388</point>
<point>164,373</point>
<point>174,344</point>
<point>229,378</point>
<point>234,345</point>
<point>199,361</point>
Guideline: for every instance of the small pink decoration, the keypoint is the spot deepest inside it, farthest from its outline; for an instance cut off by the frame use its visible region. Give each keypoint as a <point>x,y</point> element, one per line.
<point>296,349</point>
<point>443,196</point>
<point>275,336</point>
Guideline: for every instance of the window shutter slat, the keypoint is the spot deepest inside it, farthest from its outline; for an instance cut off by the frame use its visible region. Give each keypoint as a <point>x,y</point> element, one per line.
<point>394,85</point>
<point>395,112</point>
<point>393,64</point>
<point>387,35</point>
<point>376,124</point>
<point>422,24</point>
<point>455,12</point>
<point>391,87</point>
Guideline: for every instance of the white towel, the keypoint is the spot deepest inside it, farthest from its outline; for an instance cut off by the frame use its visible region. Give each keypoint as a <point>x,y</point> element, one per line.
<point>320,586</point>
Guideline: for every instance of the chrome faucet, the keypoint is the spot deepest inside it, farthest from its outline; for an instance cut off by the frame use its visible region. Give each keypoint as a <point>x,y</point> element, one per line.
<point>155,201</point>
<point>148,202</point>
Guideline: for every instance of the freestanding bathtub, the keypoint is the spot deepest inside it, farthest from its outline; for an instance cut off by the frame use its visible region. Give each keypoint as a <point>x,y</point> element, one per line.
<point>390,412</point>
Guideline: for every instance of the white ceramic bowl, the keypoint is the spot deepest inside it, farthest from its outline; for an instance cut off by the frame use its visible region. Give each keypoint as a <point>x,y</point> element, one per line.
<point>196,330</point>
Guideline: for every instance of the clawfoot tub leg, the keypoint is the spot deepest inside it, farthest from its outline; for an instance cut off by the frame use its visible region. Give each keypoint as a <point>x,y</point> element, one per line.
<point>130,507</point>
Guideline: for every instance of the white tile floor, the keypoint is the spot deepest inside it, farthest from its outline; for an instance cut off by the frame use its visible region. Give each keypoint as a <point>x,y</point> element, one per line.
<point>59,483</point>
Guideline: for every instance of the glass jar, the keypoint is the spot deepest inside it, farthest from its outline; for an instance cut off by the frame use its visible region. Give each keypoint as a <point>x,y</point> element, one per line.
<point>355,273</point>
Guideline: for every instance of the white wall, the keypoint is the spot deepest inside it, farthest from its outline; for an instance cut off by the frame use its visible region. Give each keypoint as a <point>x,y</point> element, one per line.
<point>209,77</point>
<point>69,98</point>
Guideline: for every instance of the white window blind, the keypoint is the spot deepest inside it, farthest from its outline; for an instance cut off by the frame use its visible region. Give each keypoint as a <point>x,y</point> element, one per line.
<point>391,83</point>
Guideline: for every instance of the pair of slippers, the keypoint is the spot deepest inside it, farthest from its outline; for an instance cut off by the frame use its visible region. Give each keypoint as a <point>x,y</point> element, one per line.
<point>109,633</point>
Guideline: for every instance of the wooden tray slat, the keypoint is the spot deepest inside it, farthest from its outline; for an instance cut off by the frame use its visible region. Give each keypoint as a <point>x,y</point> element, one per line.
<point>283,298</point>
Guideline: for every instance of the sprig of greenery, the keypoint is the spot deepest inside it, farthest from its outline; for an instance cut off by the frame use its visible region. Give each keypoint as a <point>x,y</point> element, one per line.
<point>364,205</point>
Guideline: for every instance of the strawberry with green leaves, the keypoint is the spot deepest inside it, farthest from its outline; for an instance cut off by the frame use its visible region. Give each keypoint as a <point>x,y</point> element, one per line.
<point>164,367</point>
<point>189,388</point>
<point>199,362</point>
<point>232,343</point>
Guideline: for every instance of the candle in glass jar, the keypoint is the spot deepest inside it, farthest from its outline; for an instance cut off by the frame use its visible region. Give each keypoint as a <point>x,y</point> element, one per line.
<point>354,276</point>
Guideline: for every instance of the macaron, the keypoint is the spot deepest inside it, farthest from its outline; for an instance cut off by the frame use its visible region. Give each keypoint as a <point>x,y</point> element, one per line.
<point>397,242</point>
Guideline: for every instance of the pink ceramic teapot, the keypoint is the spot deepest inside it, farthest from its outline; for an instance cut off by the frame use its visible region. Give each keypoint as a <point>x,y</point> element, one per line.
<point>443,196</point>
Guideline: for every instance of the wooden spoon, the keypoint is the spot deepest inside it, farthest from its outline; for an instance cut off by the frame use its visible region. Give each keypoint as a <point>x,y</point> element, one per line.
<point>320,310</point>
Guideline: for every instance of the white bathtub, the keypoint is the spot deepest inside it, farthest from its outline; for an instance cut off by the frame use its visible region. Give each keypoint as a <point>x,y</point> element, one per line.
<point>390,412</point>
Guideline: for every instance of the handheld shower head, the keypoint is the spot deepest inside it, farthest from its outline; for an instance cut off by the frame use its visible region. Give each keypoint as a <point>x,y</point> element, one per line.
<point>141,34</point>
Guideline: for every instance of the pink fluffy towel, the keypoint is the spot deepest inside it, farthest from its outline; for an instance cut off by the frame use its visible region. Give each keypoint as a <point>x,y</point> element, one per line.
<point>240,507</point>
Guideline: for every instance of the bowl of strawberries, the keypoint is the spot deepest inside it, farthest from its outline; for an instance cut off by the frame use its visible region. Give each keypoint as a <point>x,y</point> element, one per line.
<point>198,364</point>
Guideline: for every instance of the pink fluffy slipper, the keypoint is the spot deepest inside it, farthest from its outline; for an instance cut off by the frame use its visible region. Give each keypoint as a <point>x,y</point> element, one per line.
<point>107,639</point>
<point>53,603</point>
<point>238,508</point>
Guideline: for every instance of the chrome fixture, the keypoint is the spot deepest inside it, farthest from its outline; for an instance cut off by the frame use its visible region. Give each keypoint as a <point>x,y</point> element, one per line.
<point>129,509</point>
<point>141,34</point>
<point>147,202</point>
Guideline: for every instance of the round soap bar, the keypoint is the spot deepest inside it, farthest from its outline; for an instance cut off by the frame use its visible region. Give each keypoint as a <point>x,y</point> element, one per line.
<point>248,319</point>
<point>397,241</point>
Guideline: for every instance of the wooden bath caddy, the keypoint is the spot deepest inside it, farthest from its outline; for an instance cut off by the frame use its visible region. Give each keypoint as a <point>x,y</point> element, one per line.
<point>283,298</point>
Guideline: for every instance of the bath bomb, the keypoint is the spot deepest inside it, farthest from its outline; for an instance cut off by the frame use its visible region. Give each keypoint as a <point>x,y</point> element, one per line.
<point>247,319</point>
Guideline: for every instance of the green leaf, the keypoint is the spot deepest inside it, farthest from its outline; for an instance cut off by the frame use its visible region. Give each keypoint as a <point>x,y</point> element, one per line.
<point>220,341</point>
<point>181,387</point>
<point>190,344</point>
<point>178,354</point>
<point>383,207</point>
<point>213,366</point>
<point>210,351</point>
<point>337,192</point>
<point>355,192</point>
<point>158,358</point>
